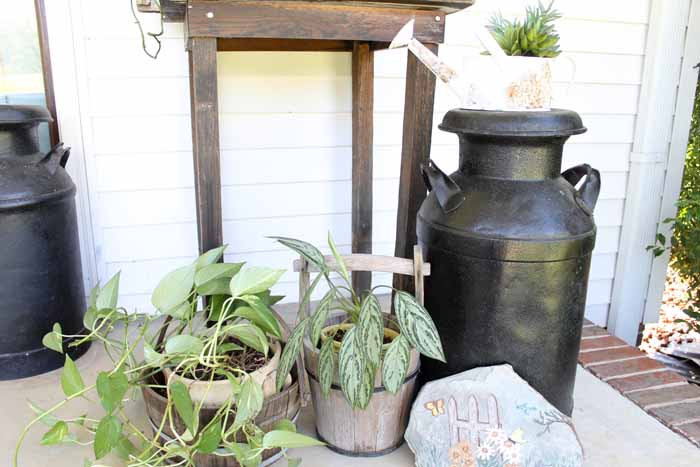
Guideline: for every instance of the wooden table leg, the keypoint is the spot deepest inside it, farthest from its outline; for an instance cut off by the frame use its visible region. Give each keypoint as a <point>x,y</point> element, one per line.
<point>362,145</point>
<point>205,141</point>
<point>417,132</point>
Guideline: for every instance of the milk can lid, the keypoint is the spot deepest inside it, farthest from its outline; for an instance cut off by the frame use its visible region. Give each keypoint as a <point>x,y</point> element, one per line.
<point>555,122</point>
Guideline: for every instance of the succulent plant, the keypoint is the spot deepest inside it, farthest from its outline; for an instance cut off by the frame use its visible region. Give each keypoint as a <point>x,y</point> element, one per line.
<point>534,37</point>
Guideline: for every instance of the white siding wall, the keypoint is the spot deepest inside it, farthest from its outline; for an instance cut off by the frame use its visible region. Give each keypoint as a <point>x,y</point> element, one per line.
<point>286,135</point>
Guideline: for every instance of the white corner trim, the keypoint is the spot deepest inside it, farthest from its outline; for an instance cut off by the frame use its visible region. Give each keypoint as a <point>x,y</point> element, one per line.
<point>676,159</point>
<point>62,44</point>
<point>664,49</point>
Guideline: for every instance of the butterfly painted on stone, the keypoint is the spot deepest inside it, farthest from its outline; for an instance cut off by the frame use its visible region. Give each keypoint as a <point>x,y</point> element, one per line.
<point>436,407</point>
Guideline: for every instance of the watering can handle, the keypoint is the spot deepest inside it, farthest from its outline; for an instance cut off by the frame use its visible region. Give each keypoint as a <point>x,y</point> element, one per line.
<point>449,195</point>
<point>590,189</point>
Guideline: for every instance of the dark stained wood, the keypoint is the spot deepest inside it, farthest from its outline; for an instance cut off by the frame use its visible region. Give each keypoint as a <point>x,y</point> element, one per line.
<point>205,141</point>
<point>174,10</point>
<point>417,133</point>
<point>308,20</point>
<point>362,145</point>
<point>45,53</point>
<point>282,45</point>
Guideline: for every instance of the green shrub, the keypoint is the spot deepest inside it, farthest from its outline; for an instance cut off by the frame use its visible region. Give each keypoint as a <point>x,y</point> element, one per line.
<point>685,242</point>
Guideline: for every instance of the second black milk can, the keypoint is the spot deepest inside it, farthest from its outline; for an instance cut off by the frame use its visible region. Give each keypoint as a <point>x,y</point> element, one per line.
<point>509,237</point>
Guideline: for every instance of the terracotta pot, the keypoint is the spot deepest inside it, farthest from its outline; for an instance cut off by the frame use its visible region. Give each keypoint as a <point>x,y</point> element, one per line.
<point>375,431</point>
<point>216,393</point>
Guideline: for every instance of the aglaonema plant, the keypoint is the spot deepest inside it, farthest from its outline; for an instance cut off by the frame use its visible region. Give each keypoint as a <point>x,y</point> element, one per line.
<point>361,351</point>
<point>195,343</point>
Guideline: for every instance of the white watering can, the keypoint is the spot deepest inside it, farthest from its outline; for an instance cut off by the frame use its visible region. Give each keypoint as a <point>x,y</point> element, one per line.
<point>489,82</point>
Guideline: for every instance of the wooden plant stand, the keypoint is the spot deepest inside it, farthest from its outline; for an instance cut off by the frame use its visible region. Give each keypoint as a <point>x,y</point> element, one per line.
<point>315,25</point>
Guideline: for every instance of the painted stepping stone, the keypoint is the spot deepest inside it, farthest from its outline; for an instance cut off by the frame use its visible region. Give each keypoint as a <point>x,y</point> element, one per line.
<point>489,417</point>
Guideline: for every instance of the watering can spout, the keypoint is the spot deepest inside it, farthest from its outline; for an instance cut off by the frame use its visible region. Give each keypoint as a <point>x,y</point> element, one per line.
<point>444,72</point>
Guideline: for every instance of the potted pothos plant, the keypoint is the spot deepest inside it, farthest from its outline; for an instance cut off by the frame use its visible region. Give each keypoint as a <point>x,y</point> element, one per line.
<point>361,362</point>
<point>207,374</point>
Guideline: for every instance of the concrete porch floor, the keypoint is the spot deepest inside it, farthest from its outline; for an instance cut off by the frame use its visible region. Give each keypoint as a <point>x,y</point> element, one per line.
<point>614,431</point>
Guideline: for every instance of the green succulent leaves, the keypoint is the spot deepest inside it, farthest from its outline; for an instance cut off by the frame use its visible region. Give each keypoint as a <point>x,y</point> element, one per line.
<point>534,37</point>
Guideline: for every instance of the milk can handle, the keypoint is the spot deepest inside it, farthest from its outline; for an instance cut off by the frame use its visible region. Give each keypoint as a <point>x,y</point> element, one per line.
<point>590,189</point>
<point>449,195</point>
<point>57,156</point>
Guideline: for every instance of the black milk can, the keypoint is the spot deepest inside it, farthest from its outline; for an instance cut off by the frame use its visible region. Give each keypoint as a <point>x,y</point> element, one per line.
<point>40,272</point>
<point>509,238</point>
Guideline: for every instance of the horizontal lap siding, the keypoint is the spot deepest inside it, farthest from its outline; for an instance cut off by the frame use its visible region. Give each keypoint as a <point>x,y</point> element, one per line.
<point>286,140</point>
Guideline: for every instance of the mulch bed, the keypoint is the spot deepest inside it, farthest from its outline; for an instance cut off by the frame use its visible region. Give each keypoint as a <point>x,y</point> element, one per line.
<point>667,331</point>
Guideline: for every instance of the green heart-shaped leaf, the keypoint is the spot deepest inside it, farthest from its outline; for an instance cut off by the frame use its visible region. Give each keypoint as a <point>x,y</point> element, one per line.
<point>107,436</point>
<point>111,389</point>
<point>252,280</point>
<point>71,381</point>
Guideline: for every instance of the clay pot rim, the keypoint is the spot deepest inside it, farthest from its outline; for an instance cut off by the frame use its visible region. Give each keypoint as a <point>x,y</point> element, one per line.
<point>291,388</point>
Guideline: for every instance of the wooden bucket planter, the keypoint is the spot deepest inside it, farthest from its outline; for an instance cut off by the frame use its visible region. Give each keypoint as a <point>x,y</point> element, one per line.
<point>285,404</point>
<point>375,431</point>
<point>379,429</point>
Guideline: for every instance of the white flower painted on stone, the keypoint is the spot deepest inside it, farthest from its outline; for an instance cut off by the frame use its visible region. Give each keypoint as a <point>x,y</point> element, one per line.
<point>484,452</point>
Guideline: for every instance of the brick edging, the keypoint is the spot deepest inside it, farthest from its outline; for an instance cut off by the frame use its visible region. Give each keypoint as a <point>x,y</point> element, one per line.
<point>662,393</point>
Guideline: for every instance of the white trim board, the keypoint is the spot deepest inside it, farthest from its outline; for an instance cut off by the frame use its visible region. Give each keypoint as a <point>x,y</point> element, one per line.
<point>676,158</point>
<point>664,50</point>
<point>65,63</point>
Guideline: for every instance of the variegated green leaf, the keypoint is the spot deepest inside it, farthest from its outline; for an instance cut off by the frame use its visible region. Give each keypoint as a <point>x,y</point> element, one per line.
<point>318,319</point>
<point>395,365</point>
<point>290,353</point>
<point>352,367</point>
<point>342,270</point>
<point>367,388</point>
<point>418,327</point>
<point>326,367</point>
<point>305,249</point>
<point>371,329</point>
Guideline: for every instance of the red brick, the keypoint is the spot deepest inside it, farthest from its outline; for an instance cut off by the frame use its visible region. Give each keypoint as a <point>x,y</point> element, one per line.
<point>679,393</point>
<point>609,355</point>
<point>690,431</point>
<point>591,331</point>
<point>646,380</point>
<point>677,413</point>
<point>625,367</point>
<point>601,343</point>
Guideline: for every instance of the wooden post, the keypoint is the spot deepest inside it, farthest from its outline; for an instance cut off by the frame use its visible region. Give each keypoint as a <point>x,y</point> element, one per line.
<point>362,142</point>
<point>205,141</point>
<point>417,132</point>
